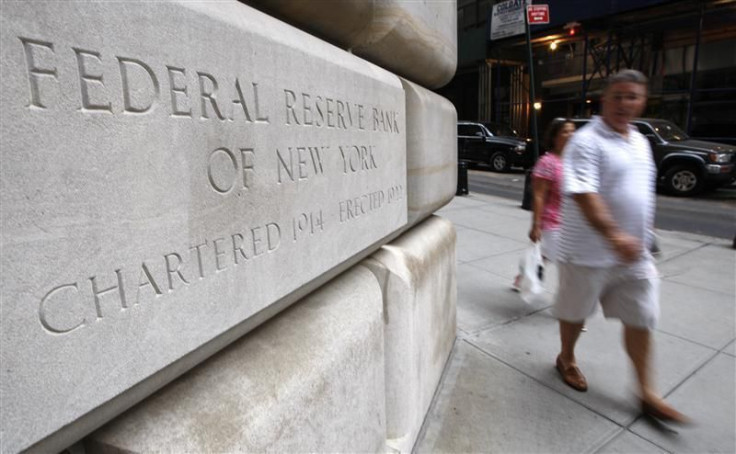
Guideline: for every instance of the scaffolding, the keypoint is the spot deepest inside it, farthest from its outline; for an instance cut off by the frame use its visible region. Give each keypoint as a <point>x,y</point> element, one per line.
<point>667,47</point>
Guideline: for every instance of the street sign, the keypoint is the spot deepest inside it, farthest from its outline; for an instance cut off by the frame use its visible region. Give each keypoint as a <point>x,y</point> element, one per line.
<point>537,14</point>
<point>507,18</point>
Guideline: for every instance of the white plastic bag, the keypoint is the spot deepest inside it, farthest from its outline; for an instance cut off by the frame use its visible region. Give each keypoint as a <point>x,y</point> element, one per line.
<point>531,269</point>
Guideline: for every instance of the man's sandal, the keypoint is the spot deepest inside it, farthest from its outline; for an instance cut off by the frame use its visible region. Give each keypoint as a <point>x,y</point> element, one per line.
<point>572,376</point>
<point>663,412</point>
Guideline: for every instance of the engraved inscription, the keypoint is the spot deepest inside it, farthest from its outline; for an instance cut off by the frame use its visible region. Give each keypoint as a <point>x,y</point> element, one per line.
<point>171,270</point>
<point>88,80</point>
<point>200,95</point>
<point>359,206</point>
<point>127,66</point>
<point>207,89</point>
<point>368,203</point>
<point>307,224</point>
<point>140,92</point>
<point>140,89</point>
<point>119,288</point>
<point>221,160</point>
<point>386,121</point>
<point>145,279</point>
<point>299,163</point>
<point>305,109</point>
<point>32,48</point>
<point>178,92</point>
<point>266,239</point>
<point>52,296</point>
<point>67,302</point>
<point>222,169</point>
<point>357,158</point>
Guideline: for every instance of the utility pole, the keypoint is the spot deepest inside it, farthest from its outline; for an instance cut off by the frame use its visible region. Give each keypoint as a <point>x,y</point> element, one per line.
<point>532,97</point>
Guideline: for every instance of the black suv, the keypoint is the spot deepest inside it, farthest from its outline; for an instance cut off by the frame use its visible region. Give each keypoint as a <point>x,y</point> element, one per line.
<point>685,166</point>
<point>476,143</point>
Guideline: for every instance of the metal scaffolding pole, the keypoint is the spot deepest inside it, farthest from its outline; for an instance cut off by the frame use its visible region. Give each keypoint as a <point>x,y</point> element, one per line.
<point>694,74</point>
<point>608,51</point>
<point>585,76</point>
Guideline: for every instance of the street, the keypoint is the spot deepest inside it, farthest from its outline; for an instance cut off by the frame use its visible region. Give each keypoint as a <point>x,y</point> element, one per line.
<point>711,213</point>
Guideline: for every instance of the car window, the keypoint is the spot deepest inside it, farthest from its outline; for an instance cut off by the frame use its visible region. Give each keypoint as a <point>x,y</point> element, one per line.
<point>669,131</point>
<point>498,129</point>
<point>467,130</point>
<point>644,129</point>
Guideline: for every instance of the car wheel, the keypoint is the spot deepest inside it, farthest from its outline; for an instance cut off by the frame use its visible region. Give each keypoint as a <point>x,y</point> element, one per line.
<point>499,162</point>
<point>683,181</point>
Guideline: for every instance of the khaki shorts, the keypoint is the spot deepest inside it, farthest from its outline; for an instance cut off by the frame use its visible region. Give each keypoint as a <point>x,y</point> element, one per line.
<point>630,297</point>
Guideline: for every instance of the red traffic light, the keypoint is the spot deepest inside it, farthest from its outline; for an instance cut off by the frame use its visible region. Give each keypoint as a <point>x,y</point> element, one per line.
<point>573,28</point>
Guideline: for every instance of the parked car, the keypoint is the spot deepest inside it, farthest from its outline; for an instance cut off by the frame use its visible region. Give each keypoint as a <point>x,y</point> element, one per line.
<point>501,129</point>
<point>685,166</point>
<point>477,144</point>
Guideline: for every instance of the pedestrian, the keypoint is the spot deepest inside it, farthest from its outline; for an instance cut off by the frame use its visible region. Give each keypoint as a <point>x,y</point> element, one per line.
<point>546,191</point>
<point>603,257</point>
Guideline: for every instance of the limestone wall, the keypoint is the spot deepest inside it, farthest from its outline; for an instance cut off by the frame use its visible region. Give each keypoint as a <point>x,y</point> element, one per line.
<point>175,174</point>
<point>351,368</point>
<point>431,145</point>
<point>417,276</point>
<point>415,39</point>
<point>304,382</point>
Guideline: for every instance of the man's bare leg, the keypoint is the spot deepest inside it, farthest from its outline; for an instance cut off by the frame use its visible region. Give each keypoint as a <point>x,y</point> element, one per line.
<point>569,333</point>
<point>638,343</point>
<point>571,375</point>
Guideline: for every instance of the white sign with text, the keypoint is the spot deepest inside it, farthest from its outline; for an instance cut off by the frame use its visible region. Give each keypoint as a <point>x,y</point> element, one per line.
<point>507,18</point>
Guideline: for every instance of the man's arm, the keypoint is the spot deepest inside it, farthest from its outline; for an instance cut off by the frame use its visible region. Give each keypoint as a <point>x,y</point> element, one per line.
<point>628,247</point>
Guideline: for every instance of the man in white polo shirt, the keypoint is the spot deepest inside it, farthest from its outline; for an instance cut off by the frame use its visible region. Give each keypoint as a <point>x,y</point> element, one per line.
<point>607,217</point>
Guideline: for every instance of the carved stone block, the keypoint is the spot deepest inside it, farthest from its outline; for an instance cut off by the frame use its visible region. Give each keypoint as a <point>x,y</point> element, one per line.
<point>417,40</point>
<point>309,380</point>
<point>417,275</point>
<point>431,151</point>
<point>172,174</point>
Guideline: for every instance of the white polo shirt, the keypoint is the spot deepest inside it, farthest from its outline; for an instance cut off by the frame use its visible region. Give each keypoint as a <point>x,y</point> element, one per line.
<point>621,170</point>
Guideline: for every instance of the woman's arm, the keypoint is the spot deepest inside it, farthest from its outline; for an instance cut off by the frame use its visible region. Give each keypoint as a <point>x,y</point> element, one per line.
<point>540,187</point>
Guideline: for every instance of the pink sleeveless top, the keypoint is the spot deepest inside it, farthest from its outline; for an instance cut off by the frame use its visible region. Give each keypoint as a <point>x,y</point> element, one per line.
<point>549,168</point>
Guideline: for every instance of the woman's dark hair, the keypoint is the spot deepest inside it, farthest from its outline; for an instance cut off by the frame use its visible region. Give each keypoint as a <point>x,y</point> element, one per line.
<point>552,130</point>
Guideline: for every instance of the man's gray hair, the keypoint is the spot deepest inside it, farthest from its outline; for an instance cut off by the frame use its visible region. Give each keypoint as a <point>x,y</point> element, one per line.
<point>627,75</point>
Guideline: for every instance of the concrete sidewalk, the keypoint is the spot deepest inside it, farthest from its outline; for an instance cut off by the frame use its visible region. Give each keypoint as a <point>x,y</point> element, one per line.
<point>501,393</point>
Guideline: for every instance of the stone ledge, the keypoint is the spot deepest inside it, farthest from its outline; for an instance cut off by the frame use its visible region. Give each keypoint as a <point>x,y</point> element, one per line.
<point>417,40</point>
<point>431,151</point>
<point>417,276</point>
<point>309,380</point>
<point>173,174</point>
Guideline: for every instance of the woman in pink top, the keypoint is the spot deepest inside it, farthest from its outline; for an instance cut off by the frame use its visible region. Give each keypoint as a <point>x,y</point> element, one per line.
<point>547,190</point>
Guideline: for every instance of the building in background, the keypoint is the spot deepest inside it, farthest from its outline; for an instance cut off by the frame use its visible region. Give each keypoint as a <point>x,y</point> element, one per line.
<point>686,48</point>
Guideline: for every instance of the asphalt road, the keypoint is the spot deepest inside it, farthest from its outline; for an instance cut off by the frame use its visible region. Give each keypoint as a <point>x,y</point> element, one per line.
<point>712,213</point>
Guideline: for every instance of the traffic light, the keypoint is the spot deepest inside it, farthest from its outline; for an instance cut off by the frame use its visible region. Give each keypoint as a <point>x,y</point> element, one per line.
<point>573,29</point>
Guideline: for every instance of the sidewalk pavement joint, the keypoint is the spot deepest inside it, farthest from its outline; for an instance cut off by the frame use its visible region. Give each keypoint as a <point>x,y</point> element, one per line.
<point>495,326</point>
<point>499,391</point>
<point>542,383</point>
